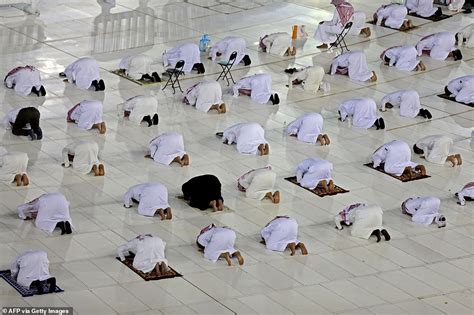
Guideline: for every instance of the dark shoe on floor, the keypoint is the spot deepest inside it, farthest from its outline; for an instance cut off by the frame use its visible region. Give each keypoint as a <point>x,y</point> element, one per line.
<point>220,134</point>
<point>42,91</point>
<point>385,235</point>
<point>68,228</point>
<point>276,99</point>
<point>155,119</point>
<point>35,91</point>
<point>62,74</point>
<point>428,114</point>
<point>101,85</point>
<point>95,84</point>
<point>381,123</point>
<point>147,119</point>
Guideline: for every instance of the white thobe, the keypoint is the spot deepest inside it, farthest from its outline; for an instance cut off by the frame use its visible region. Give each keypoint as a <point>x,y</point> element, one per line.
<point>227,46</point>
<point>50,208</point>
<point>466,191</point>
<point>87,114</point>
<point>204,94</point>
<point>393,15</point>
<point>436,148</point>
<point>166,147</point>
<point>82,72</point>
<point>247,136</point>
<point>466,33</point>
<point>362,110</point>
<point>136,66</point>
<point>355,63</point>
<point>140,106</point>
<point>257,183</point>
<point>407,100</point>
<point>150,197</point>
<point>216,241</point>
<point>402,57</point>
<point>259,84</point>
<point>313,170</point>
<point>396,155</point>
<point>86,155</point>
<point>12,164</point>
<point>189,52</point>
<point>280,232</point>
<point>149,250</point>
<point>311,77</point>
<point>277,43</point>
<point>422,8</point>
<point>423,210</point>
<point>365,219</point>
<point>30,266</point>
<point>462,89</point>
<point>307,127</point>
<point>23,80</point>
<point>439,45</point>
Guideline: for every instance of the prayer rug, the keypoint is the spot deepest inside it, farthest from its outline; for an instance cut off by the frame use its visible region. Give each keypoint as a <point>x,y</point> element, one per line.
<point>446,97</point>
<point>123,75</point>
<point>319,191</point>
<point>24,291</point>
<point>402,178</point>
<point>432,18</point>
<point>150,275</point>
<point>414,27</point>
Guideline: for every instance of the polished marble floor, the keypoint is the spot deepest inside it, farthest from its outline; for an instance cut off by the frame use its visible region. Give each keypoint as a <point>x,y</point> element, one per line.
<point>422,270</point>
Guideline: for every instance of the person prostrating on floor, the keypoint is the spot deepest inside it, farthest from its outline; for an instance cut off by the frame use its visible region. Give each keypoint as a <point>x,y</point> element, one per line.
<point>218,242</point>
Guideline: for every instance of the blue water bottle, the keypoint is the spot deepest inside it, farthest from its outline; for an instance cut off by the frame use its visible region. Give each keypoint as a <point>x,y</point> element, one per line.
<point>204,43</point>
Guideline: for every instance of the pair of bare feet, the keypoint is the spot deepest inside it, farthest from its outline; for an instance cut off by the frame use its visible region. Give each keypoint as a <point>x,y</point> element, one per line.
<point>407,24</point>
<point>264,149</point>
<point>274,197</point>
<point>291,51</point>
<point>101,126</point>
<point>328,187</point>
<point>184,161</point>
<point>455,159</point>
<point>293,247</point>
<point>162,269</point>
<point>373,78</point>
<point>216,205</point>
<point>21,179</point>
<point>221,109</point>
<point>323,139</point>
<point>228,257</point>
<point>420,66</point>
<point>98,170</point>
<point>411,173</point>
<point>165,214</point>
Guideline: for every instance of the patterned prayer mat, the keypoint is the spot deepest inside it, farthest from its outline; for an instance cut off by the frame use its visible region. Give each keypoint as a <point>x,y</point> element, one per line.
<point>24,291</point>
<point>402,178</point>
<point>150,275</point>
<point>319,191</point>
<point>414,27</point>
<point>446,97</point>
<point>432,18</point>
<point>123,75</point>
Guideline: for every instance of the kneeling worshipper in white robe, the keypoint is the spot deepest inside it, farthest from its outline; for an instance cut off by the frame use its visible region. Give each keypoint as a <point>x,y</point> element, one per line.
<point>50,211</point>
<point>88,115</point>
<point>309,78</point>
<point>138,67</point>
<point>464,36</point>
<point>152,198</point>
<point>455,5</point>
<point>396,159</point>
<point>13,167</point>
<point>226,46</point>
<point>424,210</point>
<point>259,184</point>
<point>249,138</point>
<point>282,233</point>
<point>141,108</point>
<point>314,172</point>
<point>353,64</point>
<point>149,254</point>
<point>218,242</point>
<point>436,149</point>
<point>363,112</point>
<point>84,72</point>
<point>393,15</point>
<point>344,13</point>
<point>423,8</point>
<point>439,46</point>
<point>277,44</point>
<point>403,58</point>
<point>189,52</point>
<point>465,194</point>
<point>205,95</point>
<point>364,220</point>
<point>308,128</point>
<point>31,270</point>
<point>408,101</point>
<point>84,157</point>
<point>25,80</point>
<point>461,89</point>
<point>258,87</point>
<point>168,148</point>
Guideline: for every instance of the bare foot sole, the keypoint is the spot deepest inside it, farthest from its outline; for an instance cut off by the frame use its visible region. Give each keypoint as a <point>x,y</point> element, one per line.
<point>95,170</point>
<point>292,247</point>
<point>101,170</point>
<point>276,197</point>
<point>302,248</point>
<point>17,180</point>
<point>25,180</point>
<point>459,158</point>
<point>239,257</point>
